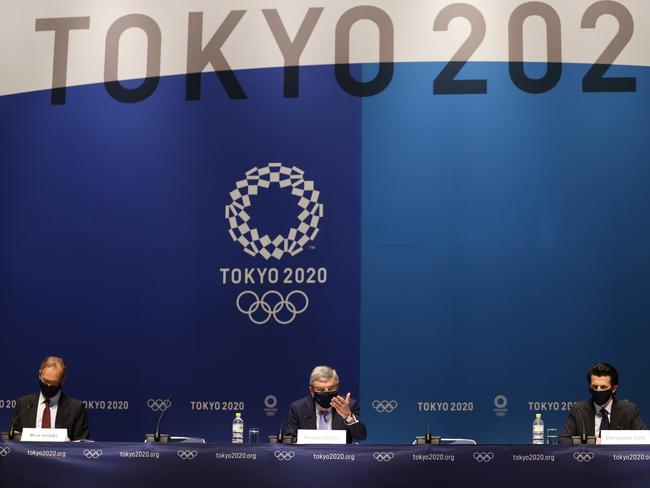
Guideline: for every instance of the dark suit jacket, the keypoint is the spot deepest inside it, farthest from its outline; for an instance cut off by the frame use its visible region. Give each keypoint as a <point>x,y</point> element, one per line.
<point>70,415</point>
<point>302,415</point>
<point>625,415</point>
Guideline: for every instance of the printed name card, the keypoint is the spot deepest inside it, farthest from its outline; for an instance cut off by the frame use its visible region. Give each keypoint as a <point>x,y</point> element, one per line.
<point>618,437</point>
<point>44,435</point>
<point>314,436</point>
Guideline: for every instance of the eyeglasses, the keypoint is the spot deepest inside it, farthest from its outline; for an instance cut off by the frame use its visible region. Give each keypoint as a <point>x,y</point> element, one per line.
<point>331,389</point>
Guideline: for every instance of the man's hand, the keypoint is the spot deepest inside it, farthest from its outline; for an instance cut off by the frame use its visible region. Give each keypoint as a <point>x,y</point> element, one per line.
<point>342,405</point>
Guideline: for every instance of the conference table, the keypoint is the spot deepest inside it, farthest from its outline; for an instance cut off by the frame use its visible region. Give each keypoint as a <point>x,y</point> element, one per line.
<point>130,464</point>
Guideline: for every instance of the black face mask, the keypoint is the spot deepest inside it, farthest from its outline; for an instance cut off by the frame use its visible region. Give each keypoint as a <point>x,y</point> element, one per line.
<point>601,397</point>
<point>47,390</point>
<point>324,398</point>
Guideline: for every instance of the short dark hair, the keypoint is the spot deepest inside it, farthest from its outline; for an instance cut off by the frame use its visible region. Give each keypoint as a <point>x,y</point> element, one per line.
<point>603,369</point>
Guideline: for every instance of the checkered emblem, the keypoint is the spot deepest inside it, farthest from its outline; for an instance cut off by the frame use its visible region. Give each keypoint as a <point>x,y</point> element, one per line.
<point>310,211</point>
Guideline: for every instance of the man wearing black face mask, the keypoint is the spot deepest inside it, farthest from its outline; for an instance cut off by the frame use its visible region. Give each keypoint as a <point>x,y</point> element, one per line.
<point>50,407</point>
<point>325,409</point>
<point>603,411</point>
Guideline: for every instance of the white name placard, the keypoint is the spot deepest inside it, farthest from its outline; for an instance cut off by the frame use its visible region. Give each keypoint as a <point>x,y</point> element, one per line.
<point>617,437</point>
<point>44,435</point>
<point>314,436</point>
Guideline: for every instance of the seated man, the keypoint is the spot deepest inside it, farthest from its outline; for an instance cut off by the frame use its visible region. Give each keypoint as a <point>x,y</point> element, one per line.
<point>325,409</point>
<point>603,411</point>
<point>51,407</point>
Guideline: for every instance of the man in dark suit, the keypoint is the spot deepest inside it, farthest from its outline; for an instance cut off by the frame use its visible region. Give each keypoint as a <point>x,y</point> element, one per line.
<point>325,409</point>
<point>603,411</point>
<point>51,407</point>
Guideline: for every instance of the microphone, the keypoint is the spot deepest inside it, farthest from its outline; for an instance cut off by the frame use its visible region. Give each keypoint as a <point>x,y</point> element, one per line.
<point>167,402</point>
<point>280,436</point>
<point>158,437</point>
<point>12,430</point>
<point>427,437</point>
<point>583,436</point>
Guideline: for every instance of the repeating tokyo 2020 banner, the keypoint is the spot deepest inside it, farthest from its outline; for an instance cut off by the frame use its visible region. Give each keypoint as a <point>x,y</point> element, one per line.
<point>445,201</point>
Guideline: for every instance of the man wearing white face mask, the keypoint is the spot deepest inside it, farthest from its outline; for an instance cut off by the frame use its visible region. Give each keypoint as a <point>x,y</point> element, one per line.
<point>603,411</point>
<point>325,409</point>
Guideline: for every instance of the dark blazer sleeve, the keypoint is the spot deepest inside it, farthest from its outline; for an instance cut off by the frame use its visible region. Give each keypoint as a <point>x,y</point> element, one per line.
<point>28,417</point>
<point>80,425</point>
<point>570,429</point>
<point>637,423</point>
<point>357,431</point>
<point>293,422</point>
<point>626,415</point>
<point>573,425</point>
<point>73,417</point>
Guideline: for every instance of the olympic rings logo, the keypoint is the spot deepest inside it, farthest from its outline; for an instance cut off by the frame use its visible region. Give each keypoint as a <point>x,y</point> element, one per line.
<point>583,456</point>
<point>261,309</point>
<point>187,455</point>
<point>284,455</point>
<point>158,404</point>
<point>383,456</point>
<point>384,406</point>
<point>4,451</point>
<point>93,453</point>
<point>483,457</point>
<point>241,228</point>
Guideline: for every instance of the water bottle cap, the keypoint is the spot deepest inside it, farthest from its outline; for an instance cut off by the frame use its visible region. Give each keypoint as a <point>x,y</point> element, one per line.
<point>538,415</point>
<point>238,415</point>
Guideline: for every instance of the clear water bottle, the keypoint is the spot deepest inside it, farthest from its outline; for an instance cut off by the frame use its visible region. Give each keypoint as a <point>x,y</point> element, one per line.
<point>238,429</point>
<point>538,429</point>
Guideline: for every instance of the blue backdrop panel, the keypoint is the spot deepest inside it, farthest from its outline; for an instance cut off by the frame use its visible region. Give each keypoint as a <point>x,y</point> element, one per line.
<point>505,250</point>
<point>476,253</point>
<point>114,239</point>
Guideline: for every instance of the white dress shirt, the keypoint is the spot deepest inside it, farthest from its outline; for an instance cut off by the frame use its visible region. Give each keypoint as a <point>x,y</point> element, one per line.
<point>598,418</point>
<point>54,406</point>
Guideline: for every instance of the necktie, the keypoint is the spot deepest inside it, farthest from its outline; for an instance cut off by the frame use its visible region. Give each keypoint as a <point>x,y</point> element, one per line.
<point>322,421</point>
<point>604,423</point>
<point>46,423</point>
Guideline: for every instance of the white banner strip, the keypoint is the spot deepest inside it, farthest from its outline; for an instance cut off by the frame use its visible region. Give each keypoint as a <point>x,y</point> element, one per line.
<point>100,41</point>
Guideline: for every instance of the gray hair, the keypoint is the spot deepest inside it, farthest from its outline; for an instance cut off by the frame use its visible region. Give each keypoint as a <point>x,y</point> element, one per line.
<point>53,361</point>
<point>323,373</point>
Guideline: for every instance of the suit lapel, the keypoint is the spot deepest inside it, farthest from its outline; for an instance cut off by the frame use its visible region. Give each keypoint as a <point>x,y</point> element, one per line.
<point>591,419</point>
<point>613,418</point>
<point>60,422</point>
<point>30,416</point>
<point>309,414</point>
